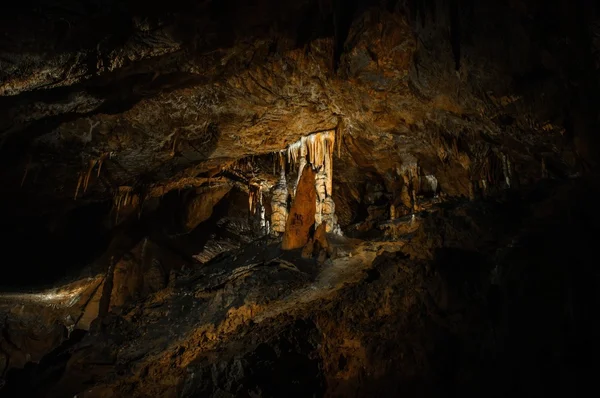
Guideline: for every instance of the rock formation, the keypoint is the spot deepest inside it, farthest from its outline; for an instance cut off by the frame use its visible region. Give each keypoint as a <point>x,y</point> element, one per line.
<point>301,218</point>
<point>279,204</point>
<point>317,198</point>
<point>316,150</point>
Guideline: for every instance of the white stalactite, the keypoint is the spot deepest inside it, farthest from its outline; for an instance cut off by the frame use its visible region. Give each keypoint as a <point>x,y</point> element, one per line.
<point>317,147</point>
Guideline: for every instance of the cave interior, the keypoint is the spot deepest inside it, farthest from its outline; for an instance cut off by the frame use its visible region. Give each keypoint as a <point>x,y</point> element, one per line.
<point>310,198</point>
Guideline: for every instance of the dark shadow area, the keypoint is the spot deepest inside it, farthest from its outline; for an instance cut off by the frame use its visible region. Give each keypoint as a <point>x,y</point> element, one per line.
<point>35,379</point>
<point>43,251</point>
<point>282,366</point>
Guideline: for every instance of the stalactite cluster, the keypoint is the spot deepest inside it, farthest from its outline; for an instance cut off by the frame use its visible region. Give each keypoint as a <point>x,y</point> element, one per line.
<point>496,172</point>
<point>256,207</point>
<point>317,150</point>
<point>125,196</point>
<point>254,198</point>
<point>84,178</point>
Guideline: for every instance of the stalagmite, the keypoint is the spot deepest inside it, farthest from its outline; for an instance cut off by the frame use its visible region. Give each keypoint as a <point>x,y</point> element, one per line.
<point>302,213</point>
<point>433,182</point>
<point>412,184</point>
<point>320,188</point>
<point>329,168</point>
<point>279,205</point>
<point>263,221</point>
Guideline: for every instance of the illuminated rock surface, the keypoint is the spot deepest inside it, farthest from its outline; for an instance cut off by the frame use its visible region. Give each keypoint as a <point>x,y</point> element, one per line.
<point>301,219</point>
<point>157,159</point>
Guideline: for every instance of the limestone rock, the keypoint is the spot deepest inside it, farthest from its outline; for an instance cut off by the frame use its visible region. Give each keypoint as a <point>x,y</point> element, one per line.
<point>302,213</point>
<point>92,309</point>
<point>141,272</point>
<point>321,245</point>
<point>329,217</point>
<point>200,207</point>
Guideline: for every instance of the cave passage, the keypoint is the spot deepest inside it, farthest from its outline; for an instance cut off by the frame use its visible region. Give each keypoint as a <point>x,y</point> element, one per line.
<point>318,198</point>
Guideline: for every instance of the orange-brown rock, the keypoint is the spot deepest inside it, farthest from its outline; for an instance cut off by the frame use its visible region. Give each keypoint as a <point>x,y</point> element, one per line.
<point>302,213</point>
<point>143,271</point>
<point>200,207</point>
<point>318,246</point>
<point>92,308</point>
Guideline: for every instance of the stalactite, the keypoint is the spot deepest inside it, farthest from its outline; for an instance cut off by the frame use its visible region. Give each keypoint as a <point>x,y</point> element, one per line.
<point>484,186</point>
<point>256,207</point>
<point>255,201</point>
<point>27,166</point>
<point>412,182</point>
<point>506,169</point>
<point>86,182</point>
<point>339,130</point>
<point>471,190</point>
<point>253,198</point>
<point>79,181</point>
<point>281,162</point>
<point>124,196</point>
<point>84,178</point>
<point>544,170</point>
<point>316,146</point>
<point>301,164</point>
<point>25,175</point>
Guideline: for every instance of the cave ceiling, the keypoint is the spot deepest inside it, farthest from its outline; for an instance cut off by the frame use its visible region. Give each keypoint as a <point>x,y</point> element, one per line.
<point>143,94</point>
